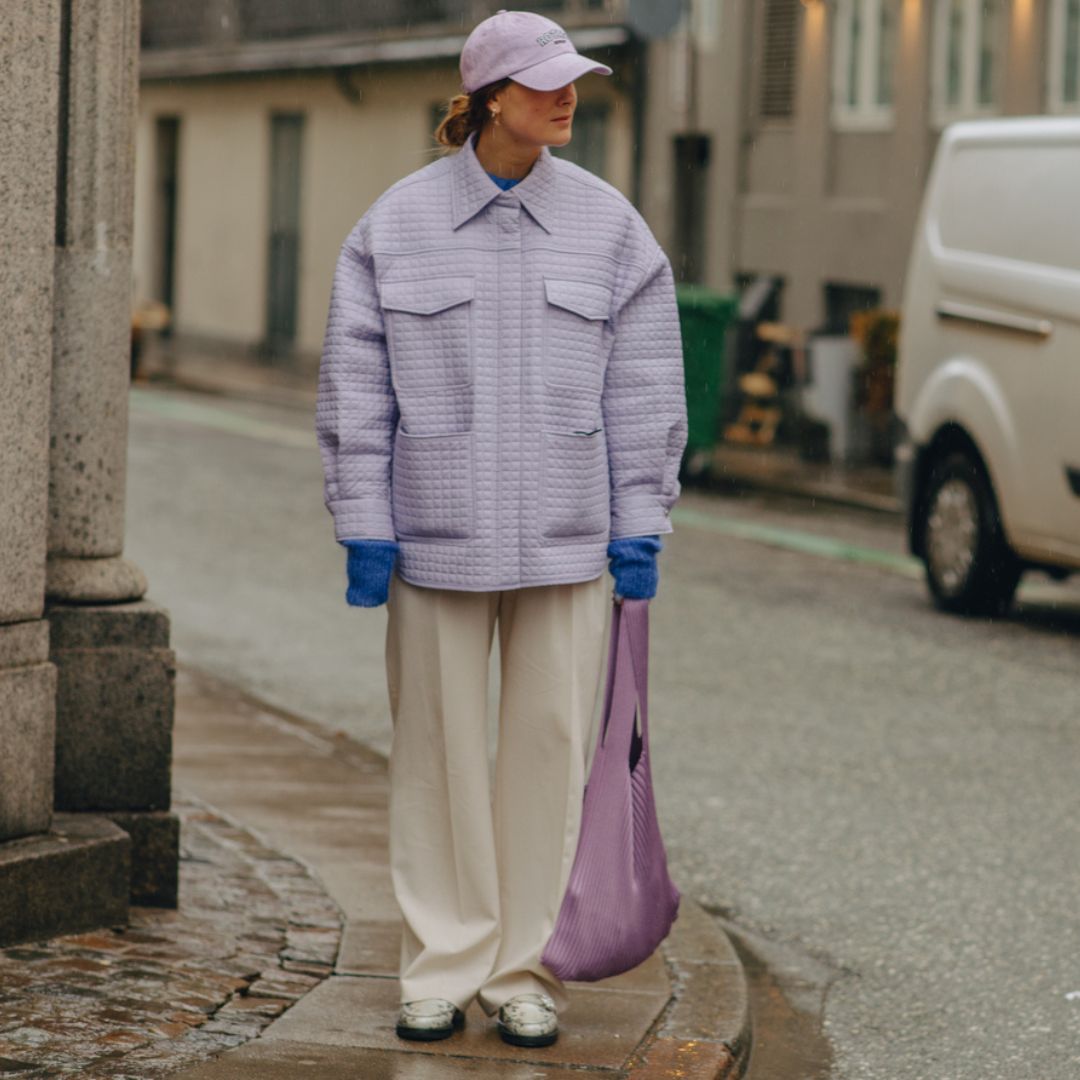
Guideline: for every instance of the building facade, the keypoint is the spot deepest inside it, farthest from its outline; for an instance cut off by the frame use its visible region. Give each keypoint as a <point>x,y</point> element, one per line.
<point>787,139</point>
<point>816,174</point>
<point>263,137</point>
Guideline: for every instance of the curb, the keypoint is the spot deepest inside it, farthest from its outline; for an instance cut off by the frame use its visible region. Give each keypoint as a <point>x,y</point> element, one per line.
<point>266,393</point>
<point>704,1032</point>
<point>811,490</point>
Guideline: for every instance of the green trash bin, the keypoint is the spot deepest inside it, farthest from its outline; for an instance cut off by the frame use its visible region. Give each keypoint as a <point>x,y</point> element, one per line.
<point>704,317</point>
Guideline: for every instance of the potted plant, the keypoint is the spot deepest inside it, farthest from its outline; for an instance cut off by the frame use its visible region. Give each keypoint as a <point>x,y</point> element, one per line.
<point>877,332</point>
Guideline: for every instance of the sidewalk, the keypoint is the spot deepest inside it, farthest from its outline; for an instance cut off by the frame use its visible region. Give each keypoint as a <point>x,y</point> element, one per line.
<point>680,1014</point>
<point>281,960</point>
<point>783,472</point>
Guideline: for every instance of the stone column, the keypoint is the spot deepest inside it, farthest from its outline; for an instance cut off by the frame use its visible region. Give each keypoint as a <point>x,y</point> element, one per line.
<point>115,694</point>
<point>27,172</point>
<point>56,874</point>
<point>93,306</point>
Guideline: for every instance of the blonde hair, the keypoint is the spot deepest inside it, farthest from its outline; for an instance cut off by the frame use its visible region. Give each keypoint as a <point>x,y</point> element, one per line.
<point>466,113</point>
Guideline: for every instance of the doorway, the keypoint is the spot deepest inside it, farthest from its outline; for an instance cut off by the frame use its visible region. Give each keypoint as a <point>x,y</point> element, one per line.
<point>167,157</point>
<point>691,160</point>
<point>283,264</point>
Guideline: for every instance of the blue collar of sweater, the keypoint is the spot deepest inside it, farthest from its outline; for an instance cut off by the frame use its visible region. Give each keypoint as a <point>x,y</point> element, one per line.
<point>503,181</point>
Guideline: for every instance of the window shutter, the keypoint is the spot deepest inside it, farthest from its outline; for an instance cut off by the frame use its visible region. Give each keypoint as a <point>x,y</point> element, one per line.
<point>780,49</point>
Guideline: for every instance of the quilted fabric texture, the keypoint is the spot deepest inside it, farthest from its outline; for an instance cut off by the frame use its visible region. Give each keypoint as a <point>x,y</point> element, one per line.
<point>501,387</point>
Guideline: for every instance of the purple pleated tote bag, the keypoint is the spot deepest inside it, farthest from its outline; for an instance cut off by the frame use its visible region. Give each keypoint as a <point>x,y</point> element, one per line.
<point>620,902</point>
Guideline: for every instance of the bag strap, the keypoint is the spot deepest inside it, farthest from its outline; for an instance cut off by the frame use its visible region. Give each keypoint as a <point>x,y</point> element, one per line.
<point>626,692</point>
<point>638,629</point>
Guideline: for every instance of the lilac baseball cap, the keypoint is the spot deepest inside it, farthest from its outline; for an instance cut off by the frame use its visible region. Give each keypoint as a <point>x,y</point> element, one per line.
<point>525,47</point>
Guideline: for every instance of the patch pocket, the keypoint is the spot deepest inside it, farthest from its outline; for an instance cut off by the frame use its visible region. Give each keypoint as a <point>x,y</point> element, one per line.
<point>431,488</point>
<point>429,332</point>
<point>575,333</point>
<point>576,498</point>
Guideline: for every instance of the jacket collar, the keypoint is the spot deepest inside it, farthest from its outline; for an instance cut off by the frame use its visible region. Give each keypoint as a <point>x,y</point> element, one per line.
<point>473,189</point>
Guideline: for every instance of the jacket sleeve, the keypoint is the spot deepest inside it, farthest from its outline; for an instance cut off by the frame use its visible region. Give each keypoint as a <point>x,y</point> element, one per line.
<point>356,411</point>
<point>644,405</point>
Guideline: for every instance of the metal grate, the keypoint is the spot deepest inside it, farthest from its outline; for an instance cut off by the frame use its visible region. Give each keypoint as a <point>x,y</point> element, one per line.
<point>779,46</point>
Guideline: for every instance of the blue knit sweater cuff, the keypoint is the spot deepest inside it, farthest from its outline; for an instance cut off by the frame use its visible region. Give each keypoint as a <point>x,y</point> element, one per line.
<point>369,566</point>
<point>633,565</point>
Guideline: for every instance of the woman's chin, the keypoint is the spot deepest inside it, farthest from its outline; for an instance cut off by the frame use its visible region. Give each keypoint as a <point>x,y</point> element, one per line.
<point>560,137</point>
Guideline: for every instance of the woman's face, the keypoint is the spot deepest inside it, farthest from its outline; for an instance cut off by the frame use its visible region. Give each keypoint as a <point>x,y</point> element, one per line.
<point>537,117</point>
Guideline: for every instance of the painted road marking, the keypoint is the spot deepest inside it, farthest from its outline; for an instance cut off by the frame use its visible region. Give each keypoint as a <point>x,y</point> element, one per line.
<point>1041,592</point>
<point>802,542</point>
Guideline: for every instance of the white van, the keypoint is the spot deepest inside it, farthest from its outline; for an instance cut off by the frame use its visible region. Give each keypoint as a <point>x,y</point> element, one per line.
<point>988,382</point>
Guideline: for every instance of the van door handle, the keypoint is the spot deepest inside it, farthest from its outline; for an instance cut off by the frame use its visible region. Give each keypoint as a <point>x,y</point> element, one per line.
<point>995,320</point>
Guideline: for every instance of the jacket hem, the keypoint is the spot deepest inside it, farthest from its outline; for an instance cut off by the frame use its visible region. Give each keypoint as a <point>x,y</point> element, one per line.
<point>502,587</point>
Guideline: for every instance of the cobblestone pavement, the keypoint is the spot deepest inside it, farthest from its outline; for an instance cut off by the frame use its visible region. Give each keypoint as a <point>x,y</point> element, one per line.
<point>254,932</point>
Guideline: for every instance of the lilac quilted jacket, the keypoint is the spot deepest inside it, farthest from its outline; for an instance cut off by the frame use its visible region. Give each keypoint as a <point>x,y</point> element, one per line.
<point>501,387</point>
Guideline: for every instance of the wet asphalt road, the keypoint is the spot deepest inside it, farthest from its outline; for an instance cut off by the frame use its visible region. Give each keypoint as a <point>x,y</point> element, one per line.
<point>886,800</point>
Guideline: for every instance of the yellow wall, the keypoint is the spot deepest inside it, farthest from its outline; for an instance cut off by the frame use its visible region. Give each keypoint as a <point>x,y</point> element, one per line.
<point>351,153</point>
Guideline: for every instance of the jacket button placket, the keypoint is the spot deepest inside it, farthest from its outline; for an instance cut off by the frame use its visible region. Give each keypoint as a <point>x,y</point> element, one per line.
<point>507,220</point>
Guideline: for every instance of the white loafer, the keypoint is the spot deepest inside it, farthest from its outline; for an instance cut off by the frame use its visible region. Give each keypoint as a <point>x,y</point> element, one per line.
<point>429,1019</point>
<point>529,1020</point>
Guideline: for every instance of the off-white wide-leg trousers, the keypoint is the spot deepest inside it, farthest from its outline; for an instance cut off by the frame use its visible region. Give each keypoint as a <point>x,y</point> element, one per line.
<point>479,874</point>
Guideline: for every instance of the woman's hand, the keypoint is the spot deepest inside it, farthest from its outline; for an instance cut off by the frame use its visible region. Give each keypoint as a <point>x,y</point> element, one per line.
<point>632,561</point>
<point>369,565</point>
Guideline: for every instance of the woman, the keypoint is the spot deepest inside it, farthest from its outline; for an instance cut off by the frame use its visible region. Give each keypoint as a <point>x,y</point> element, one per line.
<point>501,416</point>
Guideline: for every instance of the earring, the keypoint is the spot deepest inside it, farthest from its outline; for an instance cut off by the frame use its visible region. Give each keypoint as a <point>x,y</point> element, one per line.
<point>495,115</point>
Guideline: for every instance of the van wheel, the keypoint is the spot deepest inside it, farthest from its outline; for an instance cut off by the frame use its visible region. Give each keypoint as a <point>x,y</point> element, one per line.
<point>970,568</point>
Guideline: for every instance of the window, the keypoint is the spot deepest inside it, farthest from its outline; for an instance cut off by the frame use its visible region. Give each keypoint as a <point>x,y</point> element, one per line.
<point>844,301</point>
<point>779,49</point>
<point>1064,70</point>
<point>864,55</point>
<point>967,53</point>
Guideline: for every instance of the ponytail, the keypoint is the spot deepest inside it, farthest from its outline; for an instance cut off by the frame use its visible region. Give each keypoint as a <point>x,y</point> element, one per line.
<point>466,113</point>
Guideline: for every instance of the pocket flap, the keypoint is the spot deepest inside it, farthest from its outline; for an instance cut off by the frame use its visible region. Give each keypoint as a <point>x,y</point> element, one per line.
<point>585,298</point>
<point>426,296</point>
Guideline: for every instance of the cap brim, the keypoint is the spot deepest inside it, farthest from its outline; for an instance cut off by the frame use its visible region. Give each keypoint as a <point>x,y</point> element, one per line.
<point>558,71</point>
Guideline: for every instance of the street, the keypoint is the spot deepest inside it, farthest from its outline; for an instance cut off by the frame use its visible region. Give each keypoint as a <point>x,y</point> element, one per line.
<point>880,799</point>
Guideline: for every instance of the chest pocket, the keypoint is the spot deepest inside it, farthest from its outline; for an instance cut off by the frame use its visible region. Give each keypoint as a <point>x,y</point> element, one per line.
<point>429,332</point>
<point>576,321</point>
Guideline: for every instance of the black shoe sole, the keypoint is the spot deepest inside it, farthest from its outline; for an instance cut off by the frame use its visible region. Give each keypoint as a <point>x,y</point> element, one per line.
<point>431,1034</point>
<point>527,1040</point>
<point>423,1034</point>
